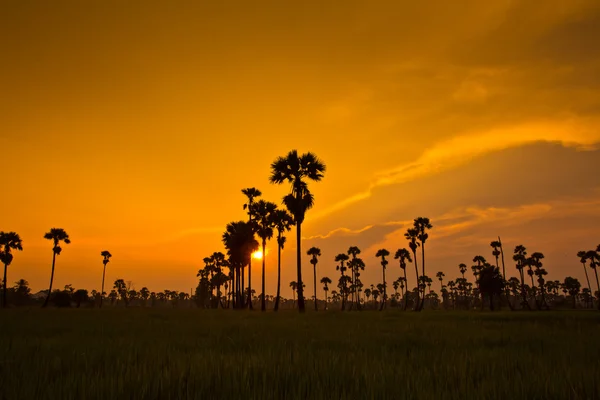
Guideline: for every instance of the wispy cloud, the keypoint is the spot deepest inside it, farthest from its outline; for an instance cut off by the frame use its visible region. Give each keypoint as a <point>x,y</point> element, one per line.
<point>582,134</point>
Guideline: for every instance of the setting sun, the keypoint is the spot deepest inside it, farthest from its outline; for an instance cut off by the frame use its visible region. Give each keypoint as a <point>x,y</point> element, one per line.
<point>257,255</point>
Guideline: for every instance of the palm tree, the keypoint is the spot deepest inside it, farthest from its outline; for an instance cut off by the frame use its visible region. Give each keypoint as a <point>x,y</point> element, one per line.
<point>262,212</point>
<point>403,256</point>
<point>383,253</point>
<point>105,260</point>
<point>594,257</point>
<point>462,268</point>
<point>412,235</point>
<point>57,235</point>
<point>355,264</point>
<point>440,275</point>
<point>8,241</point>
<point>283,222</point>
<point>326,282</point>
<point>251,193</point>
<point>583,256</point>
<point>572,286</point>
<point>421,225</point>
<point>535,261</point>
<point>240,243</point>
<point>294,286</point>
<point>315,252</point>
<point>144,294</point>
<point>519,257</point>
<point>294,169</point>
<point>342,258</point>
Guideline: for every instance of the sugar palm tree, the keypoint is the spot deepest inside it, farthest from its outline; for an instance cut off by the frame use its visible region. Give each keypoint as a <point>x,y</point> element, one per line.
<point>295,169</point>
<point>355,265</point>
<point>520,259</point>
<point>412,236</point>
<point>240,243</point>
<point>326,282</point>
<point>105,260</point>
<point>8,241</point>
<point>283,222</point>
<point>251,194</point>
<point>594,257</point>
<point>462,268</point>
<point>583,256</point>
<point>440,275</point>
<point>403,256</point>
<point>315,252</point>
<point>57,235</point>
<point>422,225</point>
<point>262,212</point>
<point>341,259</point>
<point>294,286</point>
<point>383,253</point>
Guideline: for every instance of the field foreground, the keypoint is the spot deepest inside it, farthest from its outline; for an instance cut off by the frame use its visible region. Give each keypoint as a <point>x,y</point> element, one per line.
<point>196,354</point>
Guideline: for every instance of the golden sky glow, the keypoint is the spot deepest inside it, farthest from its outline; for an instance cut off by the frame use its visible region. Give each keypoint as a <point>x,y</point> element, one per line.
<point>134,126</point>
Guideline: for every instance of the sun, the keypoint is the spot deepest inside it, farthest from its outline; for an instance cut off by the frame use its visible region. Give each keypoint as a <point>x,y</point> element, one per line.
<point>258,255</point>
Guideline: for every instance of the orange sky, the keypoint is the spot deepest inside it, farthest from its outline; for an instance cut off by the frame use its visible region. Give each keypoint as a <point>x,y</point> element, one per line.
<point>134,126</point>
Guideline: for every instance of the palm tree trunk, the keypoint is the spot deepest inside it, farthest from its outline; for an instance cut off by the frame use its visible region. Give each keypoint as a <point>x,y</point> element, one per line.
<point>418,288</point>
<point>595,271</point>
<point>423,269</point>
<point>315,283</point>
<point>326,298</point>
<point>263,304</point>
<point>250,284</point>
<point>4,288</point>
<point>299,266</point>
<point>405,294</point>
<point>383,301</point>
<point>587,278</point>
<point>51,279</point>
<point>278,273</point>
<point>102,290</point>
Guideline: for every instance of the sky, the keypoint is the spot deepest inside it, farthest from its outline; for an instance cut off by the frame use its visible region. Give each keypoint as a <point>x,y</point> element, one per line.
<point>135,125</point>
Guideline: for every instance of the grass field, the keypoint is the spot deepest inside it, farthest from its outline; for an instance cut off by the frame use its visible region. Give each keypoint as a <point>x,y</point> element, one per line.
<point>197,354</point>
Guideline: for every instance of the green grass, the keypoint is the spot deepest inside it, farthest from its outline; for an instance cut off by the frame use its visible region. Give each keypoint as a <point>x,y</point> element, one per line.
<point>195,354</point>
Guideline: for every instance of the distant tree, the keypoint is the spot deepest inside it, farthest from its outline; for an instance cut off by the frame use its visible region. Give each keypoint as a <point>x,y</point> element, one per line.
<point>572,286</point>
<point>144,295</point>
<point>80,296</point>
<point>583,256</point>
<point>283,222</point>
<point>295,169</point>
<point>491,283</point>
<point>240,244</point>
<point>315,253</point>
<point>8,241</point>
<point>57,235</point>
<point>262,212</point>
<point>326,282</point>
<point>383,253</point>
<point>440,275</point>
<point>251,194</point>
<point>520,259</point>
<point>462,268</point>
<point>294,286</point>
<point>342,285</point>
<point>21,292</point>
<point>412,236</point>
<point>422,225</point>
<point>403,256</point>
<point>594,257</point>
<point>105,260</point>
<point>356,265</point>
<point>121,288</point>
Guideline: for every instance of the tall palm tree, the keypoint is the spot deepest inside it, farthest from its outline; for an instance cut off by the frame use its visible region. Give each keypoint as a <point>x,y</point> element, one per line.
<point>440,275</point>
<point>520,259</point>
<point>326,282</point>
<point>294,286</point>
<point>403,256</point>
<point>295,169</point>
<point>8,241</point>
<point>583,256</point>
<point>262,212</point>
<point>105,260</point>
<point>355,264</point>
<point>240,243</point>
<point>422,225</point>
<point>57,235</point>
<point>412,236</point>
<point>251,194</point>
<point>283,222</point>
<point>594,257</point>
<point>315,252</point>
<point>383,253</point>
<point>341,259</point>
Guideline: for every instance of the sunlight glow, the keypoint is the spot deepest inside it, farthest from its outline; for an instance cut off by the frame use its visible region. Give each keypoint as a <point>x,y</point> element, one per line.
<point>257,255</point>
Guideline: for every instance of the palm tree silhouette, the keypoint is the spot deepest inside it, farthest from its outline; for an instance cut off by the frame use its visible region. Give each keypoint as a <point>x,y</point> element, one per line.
<point>262,212</point>
<point>421,225</point>
<point>251,193</point>
<point>294,169</point>
<point>583,256</point>
<point>240,243</point>
<point>283,222</point>
<point>412,235</point>
<point>326,282</point>
<point>403,256</point>
<point>57,235</point>
<point>594,257</point>
<point>315,252</point>
<point>294,286</point>
<point>520,258</point>
<point>440,275</point>
<point>342,258</point>
<point>535,261</point>
<point>572,286</point>
<point>355,264</point>
<point>105,260</point>
<point>462,268</point>
<point>383,253</point>
<point>8,241</point>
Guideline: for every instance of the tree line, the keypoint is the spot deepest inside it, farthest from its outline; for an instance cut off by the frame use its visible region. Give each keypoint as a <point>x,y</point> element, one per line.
<point>222,279</point>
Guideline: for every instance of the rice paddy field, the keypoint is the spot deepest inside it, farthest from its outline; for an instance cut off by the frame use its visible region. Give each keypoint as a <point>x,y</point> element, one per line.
<point>205,354</point>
